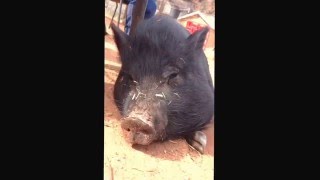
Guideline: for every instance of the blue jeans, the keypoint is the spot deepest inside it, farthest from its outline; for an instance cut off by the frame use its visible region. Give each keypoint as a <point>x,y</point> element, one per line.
<point>150,11</point>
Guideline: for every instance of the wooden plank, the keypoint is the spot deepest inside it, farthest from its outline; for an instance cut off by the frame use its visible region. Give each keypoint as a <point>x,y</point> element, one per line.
<point>110,46</point>
<point>112,65</point>
<point>162,5</point>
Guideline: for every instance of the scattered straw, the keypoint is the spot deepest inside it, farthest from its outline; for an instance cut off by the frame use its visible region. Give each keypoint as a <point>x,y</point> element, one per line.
<point>173,142</point>
<point>151,170</point>
<point>177,94</point>
<point>159,95</point>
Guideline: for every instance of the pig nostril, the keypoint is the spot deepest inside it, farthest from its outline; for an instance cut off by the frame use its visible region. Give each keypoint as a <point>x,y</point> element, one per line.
<point>128,129</point>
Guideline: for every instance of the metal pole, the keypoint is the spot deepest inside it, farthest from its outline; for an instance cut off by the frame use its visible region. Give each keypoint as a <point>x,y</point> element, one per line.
<point>138,14</point>
<point>114,13</point>
<point>119,12</point>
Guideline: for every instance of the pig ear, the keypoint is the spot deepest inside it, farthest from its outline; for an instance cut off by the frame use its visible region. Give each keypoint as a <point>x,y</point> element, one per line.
<point>121,38</point>
<point>196,40</point>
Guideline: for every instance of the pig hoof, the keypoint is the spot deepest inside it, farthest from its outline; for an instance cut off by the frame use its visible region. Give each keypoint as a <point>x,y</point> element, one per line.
<point>198,140</point>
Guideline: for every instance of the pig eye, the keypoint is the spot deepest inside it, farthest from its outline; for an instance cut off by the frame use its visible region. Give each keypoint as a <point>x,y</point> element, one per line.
<point>173,75</point>
<point>172,79</point>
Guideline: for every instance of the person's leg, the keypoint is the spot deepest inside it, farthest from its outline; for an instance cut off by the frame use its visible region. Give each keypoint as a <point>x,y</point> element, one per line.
<point>129,15</point>
<point>150,9</point>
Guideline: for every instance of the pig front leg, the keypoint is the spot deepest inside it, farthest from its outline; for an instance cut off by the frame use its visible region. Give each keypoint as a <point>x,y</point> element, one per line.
<point>198,140</point>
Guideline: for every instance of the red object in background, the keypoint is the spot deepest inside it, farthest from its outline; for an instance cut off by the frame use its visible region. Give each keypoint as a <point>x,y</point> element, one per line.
<point>192,27</point>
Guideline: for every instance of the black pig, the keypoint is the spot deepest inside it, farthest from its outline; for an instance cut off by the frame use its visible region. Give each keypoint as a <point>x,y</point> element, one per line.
<point>164,88</point>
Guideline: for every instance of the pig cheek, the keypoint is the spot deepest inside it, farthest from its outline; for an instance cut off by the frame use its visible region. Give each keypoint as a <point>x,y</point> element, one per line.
<point>161,132</point>
<point>128,104</point>
<point>161,121</point>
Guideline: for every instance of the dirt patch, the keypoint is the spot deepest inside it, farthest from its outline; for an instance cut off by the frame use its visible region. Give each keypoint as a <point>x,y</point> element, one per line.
<point>163,160</point>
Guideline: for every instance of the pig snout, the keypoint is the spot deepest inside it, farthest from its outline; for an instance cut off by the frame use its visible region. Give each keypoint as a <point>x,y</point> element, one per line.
<point>138,131</point>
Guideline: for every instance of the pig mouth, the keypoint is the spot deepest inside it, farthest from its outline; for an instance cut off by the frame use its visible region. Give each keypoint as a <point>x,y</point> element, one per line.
<point>137,131</point>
